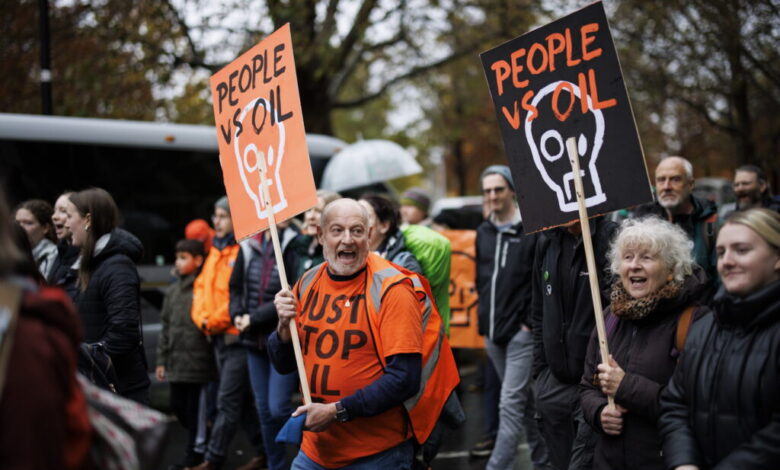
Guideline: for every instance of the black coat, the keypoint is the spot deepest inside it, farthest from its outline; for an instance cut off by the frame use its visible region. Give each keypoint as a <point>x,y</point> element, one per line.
<point>504,262</point>
<point>110,310</point>
<point>253,286</point>
<point>722,407</point>
<point>645,350</point>
<point>561,336</point>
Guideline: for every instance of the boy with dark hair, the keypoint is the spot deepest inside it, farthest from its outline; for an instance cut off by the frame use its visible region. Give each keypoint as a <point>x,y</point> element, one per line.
<point>184,356</point>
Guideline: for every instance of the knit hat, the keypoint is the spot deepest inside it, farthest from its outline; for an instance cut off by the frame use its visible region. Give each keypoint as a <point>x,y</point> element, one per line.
<point>199,229</point>
<point>416,197</point>
<point>502,170</point>
<point>222,203</point>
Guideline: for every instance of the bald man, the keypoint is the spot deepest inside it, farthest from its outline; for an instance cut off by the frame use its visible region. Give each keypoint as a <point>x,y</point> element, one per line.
<point>677,204</point>
<point>361,334</point>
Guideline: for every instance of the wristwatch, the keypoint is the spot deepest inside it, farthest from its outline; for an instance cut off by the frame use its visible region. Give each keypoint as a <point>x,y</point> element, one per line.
<point>341,413</point>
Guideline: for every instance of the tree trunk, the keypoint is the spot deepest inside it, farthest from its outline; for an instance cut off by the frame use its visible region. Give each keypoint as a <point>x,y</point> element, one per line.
<point>460,167</point>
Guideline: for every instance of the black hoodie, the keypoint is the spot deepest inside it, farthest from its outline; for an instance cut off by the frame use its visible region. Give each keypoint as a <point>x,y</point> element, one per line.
<point>110,308</point>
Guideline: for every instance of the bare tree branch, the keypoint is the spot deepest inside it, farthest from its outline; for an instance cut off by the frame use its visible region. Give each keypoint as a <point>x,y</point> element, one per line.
<point>414,72</point>
<point>197,55</point>
<point>704,112</point>
<point>761,65</point>
<point>361,23</point>
<point>328,25</point>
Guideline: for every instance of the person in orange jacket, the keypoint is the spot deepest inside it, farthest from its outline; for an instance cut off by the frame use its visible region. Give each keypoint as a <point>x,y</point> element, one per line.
<point>379,375</point>
<point>210,313</point>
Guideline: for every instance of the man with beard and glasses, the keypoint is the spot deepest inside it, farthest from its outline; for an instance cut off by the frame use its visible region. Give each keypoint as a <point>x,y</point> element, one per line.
<point>751,189</point>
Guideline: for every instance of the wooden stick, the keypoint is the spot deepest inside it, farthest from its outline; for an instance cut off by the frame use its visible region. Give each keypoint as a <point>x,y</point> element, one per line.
<point>265,199</point>
<point>574,159</point>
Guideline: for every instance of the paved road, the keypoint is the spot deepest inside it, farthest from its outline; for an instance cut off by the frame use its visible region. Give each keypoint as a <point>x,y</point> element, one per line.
<point>453,455</point>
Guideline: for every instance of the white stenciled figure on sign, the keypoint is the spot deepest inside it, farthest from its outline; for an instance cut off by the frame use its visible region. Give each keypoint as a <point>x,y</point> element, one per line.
<point>548,147</point>
<point>252,159</point>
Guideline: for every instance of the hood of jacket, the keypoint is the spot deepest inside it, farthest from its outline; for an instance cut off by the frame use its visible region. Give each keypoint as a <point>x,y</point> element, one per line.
<point>392,245</point>
<point>122,242</point>
<point>753,311</point>
<point>702,208</point>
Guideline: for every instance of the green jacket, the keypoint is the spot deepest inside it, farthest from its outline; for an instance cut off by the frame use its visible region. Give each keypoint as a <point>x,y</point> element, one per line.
<point>184,351</point>
<point>434,252</point>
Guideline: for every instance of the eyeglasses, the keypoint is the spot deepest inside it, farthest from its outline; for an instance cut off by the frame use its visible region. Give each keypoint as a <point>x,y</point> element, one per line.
<point>497,190</point>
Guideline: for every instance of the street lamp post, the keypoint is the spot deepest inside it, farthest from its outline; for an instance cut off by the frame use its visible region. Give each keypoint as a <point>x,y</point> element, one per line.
<point>45,76</point>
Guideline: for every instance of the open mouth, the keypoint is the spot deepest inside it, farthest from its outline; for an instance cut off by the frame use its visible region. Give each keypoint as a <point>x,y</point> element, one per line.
<point>346,256</point>
<point>637,282</point>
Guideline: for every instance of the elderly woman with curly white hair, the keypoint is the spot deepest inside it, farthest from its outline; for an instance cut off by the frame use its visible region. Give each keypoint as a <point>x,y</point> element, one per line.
<point>653,302</point>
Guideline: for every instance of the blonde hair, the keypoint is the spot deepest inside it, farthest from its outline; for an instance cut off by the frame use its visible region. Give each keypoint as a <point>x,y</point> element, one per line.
<point>764,222</point>
<point>661,238</point>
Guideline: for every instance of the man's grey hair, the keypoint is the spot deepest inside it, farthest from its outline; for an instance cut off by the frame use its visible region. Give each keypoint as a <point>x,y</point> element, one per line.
<point>658,236</point>
<point>687,166</point>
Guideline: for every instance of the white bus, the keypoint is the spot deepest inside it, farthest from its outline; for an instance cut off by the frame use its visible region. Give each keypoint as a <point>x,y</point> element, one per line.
<point>162,175</point>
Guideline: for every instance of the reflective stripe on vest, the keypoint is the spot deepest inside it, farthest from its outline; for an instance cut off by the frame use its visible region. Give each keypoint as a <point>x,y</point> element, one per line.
<point>437,379</point>
<point>308,277</point>
<point>430,362</point>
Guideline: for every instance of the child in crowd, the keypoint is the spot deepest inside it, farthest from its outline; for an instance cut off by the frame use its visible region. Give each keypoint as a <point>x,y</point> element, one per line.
<point>184,356</point>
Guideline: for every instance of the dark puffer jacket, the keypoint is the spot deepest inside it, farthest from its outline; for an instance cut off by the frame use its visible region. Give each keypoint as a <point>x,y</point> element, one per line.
<point>504,266</point>
<point>721,410</point>
<point>645,350</point>
<point>111,313</point>
<point>253,285</point>
<point>182,348</point>
<point>561,335</point>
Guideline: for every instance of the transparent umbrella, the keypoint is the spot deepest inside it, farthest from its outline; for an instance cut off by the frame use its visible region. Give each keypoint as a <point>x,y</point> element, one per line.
<point>367,162</point>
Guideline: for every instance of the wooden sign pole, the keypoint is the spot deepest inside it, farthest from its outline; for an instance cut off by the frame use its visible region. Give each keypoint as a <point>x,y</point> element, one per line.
<point>265,199</point>
<point>574,159</point>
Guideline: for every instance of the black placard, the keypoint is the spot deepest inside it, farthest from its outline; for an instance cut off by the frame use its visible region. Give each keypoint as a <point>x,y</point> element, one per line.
<point>537,81</point>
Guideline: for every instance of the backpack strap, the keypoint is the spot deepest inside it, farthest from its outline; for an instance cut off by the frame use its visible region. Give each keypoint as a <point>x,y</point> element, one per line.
<point>610,323</point>
<point>683,326</point>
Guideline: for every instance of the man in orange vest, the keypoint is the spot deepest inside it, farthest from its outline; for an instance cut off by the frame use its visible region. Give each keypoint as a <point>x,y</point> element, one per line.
<point>377,361</point>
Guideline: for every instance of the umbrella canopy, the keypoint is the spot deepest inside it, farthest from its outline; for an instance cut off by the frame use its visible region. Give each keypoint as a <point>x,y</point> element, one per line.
<point>367,162</point>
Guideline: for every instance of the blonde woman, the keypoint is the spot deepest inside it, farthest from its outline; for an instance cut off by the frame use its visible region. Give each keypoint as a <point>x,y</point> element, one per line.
<point>721,408</point>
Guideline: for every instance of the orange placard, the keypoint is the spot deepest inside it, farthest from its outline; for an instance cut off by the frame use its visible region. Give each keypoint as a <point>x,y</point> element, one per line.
<point>463,291</point>
<point>260,126</point>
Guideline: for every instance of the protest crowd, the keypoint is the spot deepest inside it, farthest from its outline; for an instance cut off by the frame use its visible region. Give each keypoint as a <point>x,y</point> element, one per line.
<point>691,311</point>
<point>617,320</point>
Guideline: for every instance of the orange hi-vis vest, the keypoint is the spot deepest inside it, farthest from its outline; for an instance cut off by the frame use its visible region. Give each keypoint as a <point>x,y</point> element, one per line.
<point>211,292</point>
<point>439,371</point>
